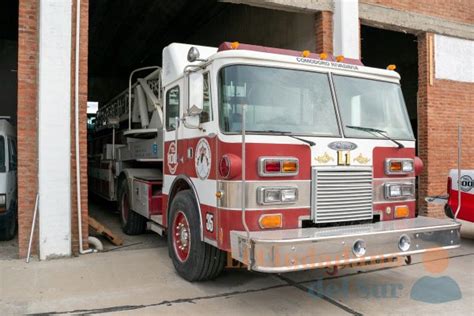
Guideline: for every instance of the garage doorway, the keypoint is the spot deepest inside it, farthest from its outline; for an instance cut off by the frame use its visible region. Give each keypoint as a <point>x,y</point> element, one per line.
<point>380,47</point>
<point>8,93</point>
<point>133,34</point>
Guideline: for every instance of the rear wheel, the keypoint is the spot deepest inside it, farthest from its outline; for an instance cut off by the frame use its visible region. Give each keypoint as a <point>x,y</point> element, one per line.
<point>193,259</point>
<point>8,225</point>
<point>132,222</point>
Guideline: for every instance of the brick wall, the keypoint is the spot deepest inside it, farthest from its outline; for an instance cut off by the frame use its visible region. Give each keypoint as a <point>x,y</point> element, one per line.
<point>442,104</point>
<point>83,71</point>
<point>27,121</point>
<point>453,10</point>
<point>323,30</point>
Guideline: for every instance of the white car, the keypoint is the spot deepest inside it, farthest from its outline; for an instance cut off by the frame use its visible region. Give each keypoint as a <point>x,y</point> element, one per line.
<point>8,174</point>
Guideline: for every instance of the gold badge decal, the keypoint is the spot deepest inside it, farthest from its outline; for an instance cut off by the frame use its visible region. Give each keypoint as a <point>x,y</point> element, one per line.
<point>361,159</point>
<point>324,158</point>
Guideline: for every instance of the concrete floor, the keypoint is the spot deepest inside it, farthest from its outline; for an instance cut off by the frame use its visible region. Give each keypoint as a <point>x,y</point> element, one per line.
<point>143,281</point>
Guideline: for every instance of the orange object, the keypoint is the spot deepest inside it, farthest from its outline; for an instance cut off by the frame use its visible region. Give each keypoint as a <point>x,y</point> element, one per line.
<point>401,211</point>
<point>268,221</point>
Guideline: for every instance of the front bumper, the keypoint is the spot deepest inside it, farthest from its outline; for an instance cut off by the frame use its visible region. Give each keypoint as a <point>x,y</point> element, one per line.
<point>310,248</point>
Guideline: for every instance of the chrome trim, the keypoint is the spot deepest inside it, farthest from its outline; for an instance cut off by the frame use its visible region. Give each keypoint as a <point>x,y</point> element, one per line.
<point>387,186</point>
<point>276,251</point>
<point>387,164</point>
<point>261,166</point>
<point>261,195</point>
<point>332,200</point>
<point>232,196</point>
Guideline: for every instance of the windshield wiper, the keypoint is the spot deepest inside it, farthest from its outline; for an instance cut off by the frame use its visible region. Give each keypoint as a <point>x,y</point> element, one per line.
<point>284,133</point>
<point>377,131</point>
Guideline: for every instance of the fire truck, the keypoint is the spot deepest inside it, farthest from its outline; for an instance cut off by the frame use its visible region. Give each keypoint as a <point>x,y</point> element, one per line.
<point>282,160</point>
<point>462,190</point>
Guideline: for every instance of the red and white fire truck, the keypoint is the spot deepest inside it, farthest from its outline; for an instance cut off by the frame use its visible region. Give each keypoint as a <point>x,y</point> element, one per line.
<point>464,190</point>
<point>286,160</point>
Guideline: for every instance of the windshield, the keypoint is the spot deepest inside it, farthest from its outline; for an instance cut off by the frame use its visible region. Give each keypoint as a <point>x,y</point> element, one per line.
<point>373,104</point>
<point>278,100</point>
<point>2,154</point>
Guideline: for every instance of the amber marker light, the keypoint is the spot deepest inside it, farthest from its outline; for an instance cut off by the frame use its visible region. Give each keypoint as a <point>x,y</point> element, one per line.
<point>305,53</point>
<point>289,166</point>
<point>339,58</point>
<point>392,67</point>
<point>395,166</point>
<point>269,221</point>
<point>323,56</point>
<point>401,211</point>
<point>234,45</point>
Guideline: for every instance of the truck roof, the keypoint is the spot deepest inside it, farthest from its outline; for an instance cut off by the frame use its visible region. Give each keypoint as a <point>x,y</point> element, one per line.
<point>175,60</point>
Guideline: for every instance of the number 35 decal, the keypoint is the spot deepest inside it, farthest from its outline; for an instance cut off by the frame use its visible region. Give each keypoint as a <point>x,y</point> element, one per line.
<point>209,222</point>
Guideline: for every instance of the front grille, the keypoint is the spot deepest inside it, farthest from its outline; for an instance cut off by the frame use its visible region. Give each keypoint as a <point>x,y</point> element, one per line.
<point>341,195</point>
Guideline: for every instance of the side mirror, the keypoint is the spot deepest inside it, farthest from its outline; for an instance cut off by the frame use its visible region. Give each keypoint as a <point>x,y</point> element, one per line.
<point>196,94</point>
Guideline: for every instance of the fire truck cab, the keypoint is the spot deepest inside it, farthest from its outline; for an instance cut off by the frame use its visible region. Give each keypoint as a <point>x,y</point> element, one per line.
<point>286,160</point>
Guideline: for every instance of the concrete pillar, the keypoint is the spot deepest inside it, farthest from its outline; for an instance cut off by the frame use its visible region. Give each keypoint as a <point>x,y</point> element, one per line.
<point>54,128</point>
<point>346,35</point>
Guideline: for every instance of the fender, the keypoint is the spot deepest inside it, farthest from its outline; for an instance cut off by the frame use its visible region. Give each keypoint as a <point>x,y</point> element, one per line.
<point>193,188</point>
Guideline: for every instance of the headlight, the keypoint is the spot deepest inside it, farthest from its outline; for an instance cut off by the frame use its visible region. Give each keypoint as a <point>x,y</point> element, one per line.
<point>399,166</point>
<point>280,195</point>
<point>399,190</point>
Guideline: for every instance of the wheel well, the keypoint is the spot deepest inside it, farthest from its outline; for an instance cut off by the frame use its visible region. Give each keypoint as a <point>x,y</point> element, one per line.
<point>178,185</point>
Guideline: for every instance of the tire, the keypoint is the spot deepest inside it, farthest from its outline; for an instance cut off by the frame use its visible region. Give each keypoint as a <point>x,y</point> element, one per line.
<point>448,211</point>
<point>132,222</point>
<point>197,260</point>
<point>8,225</point>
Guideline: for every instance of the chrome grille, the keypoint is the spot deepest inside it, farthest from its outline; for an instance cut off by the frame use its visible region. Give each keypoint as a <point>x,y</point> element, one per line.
<point>342,195</point>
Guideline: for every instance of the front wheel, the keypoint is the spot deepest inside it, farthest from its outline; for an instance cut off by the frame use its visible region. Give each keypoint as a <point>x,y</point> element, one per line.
<point>193,259</point>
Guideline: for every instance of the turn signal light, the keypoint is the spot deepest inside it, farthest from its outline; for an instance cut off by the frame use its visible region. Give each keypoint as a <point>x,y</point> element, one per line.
<point>269,221</point>
<point>399,166</point>
<point>401,211</point>
<point>289,166</point>
<point>395,166</point>
<point>277,166</point>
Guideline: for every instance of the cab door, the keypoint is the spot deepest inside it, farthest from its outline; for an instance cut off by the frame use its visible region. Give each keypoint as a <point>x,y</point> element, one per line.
<point>200,131</point>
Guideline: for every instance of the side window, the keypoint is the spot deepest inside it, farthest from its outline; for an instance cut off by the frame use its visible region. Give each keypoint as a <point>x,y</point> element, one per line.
<point>12,154</point>
<point>172,108</point>
<point>2,154</point>
<point>206,114</point>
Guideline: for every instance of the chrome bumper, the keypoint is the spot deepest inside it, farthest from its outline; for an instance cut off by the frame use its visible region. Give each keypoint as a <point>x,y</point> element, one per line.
<point>310,248</point>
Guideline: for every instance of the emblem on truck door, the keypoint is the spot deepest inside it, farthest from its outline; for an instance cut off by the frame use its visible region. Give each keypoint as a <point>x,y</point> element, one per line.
<point>202,160</point>
<point>172,158</point>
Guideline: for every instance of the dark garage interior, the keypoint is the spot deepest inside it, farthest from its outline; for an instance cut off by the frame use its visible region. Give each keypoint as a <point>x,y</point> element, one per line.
<point>380,47</point>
